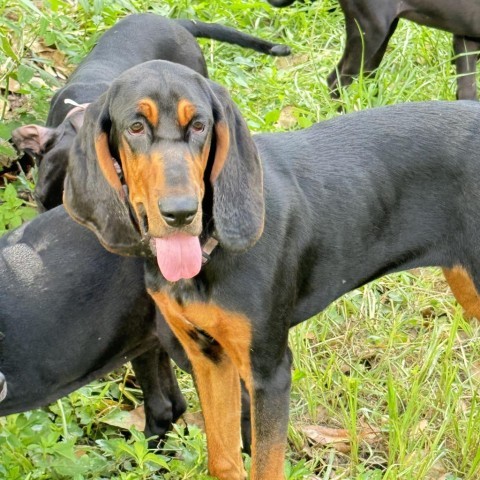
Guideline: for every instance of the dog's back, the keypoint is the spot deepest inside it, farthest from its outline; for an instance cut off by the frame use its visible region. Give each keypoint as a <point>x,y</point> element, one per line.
<point>70,311</point>
<point>135,39</point>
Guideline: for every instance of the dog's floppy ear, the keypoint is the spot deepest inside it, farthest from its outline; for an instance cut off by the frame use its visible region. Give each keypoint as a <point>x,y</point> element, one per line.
<point>236,176</point>
<point>33,138</point>
<point>93,193</point>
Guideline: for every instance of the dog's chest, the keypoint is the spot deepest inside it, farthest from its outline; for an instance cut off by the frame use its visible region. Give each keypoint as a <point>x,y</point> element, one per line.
<point>205,327</point>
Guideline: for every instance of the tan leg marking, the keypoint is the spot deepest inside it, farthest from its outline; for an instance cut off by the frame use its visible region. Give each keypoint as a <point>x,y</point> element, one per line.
<point>218,380</point>
<point>464,290</point>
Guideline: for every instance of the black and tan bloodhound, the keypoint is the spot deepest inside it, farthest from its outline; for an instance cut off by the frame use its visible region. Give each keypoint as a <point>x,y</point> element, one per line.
<point>135,39</point>
<point>300,219</point>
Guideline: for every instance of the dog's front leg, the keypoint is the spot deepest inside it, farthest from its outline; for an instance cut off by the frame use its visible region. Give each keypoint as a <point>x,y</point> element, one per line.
<point>217,344</point>
<point>270,396</point>
<point>218,386</point>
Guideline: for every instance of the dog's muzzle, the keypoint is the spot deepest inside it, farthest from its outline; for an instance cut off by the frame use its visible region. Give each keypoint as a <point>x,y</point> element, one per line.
<point>3,387</point>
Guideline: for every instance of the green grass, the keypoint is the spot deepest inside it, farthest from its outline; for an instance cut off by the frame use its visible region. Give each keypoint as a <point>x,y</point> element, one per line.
<point>395,358</point>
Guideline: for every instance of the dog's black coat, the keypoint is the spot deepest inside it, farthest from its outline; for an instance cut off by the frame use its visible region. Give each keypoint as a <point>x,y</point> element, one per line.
<point>344,202</point>
<point>70,312</point>
<point>135,39</point>
<point>370,24</point>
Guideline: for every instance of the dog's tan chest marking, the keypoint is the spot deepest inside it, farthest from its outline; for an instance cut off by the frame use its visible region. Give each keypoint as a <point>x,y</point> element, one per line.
<point>231,330</point>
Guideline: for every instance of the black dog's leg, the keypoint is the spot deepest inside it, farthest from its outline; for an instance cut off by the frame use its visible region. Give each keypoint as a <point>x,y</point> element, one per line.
<point>466,54</point>
<point>271,397</point>
<point>376,59</point>
<point>164,403</point>
<point>366,42</point>
<point>177,354</point>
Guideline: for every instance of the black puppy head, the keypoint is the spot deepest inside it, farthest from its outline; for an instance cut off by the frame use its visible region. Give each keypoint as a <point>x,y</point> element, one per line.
<point>49,148</point>
<point>173,132</point>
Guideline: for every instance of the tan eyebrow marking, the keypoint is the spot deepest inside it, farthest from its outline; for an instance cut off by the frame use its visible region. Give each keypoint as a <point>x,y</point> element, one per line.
<point>185,112</point>
<point>149,109</point>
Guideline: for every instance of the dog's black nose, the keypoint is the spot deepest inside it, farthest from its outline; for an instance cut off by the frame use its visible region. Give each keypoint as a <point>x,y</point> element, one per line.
<point>178,211</point>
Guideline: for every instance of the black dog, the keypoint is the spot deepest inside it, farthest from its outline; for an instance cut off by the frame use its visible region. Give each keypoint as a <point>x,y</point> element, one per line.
<point>114,53</point>
<point>370,24</point>
<point>133,40</point>
<point>71,312</point>
<point>337,205</point>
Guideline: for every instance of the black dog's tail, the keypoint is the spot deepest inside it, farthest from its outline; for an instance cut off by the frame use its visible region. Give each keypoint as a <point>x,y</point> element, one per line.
<point>230,35</point>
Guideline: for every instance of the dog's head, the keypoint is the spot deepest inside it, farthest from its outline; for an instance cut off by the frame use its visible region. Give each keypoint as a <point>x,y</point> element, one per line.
<point>49,148</point>
<point>186,157</point>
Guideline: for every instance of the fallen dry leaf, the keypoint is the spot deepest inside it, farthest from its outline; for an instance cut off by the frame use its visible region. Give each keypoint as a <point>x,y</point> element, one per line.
<point>322,415</point>
<point>420,427</point>
<point>339,438</point>
<point>283,63</point>
<point>287,118</point>
<point>57,59</point>
<point>13,85</point>
<point>311,336</point>
<point>192,418</point>
<point>369,434</point>
<point>80,452</point>
<point>126,418</point>
<point>438,471</point>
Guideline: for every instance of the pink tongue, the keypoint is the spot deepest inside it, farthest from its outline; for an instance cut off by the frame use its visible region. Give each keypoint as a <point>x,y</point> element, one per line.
<point>179,256</point>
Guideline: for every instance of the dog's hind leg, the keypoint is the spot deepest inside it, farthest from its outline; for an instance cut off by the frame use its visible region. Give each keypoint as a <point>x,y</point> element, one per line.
<point>466,54</point>
<point>374,62</point>
<point>464,290</point>
<point>368,33</point>
<point>164,403</point>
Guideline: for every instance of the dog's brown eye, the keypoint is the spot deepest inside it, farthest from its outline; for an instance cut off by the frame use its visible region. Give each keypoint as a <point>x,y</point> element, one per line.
<point>198,126</point>
<point>136,128</point>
